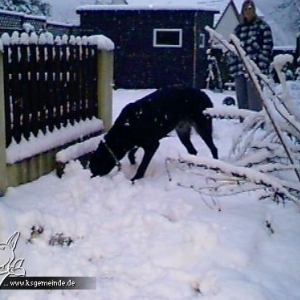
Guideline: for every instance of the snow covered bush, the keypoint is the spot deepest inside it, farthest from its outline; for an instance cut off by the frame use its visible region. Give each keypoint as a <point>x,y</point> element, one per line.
<point>214,79</point>
<point>266,152</point>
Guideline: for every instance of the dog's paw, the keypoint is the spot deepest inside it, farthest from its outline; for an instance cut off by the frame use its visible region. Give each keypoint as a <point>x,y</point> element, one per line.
<point>135,178</point>
<point>132,161</point>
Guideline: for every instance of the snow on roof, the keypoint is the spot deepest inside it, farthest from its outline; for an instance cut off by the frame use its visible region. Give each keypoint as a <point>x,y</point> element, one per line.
<point>22,14</point>
<point>175,6</point>
<point>194,3</point>
<point>8,12</point>
<point>51,22</point>
<point>284,47</point>
<point>282,40</point>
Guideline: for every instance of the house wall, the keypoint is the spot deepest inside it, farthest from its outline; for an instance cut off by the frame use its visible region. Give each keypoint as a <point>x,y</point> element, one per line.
<point>227,23</point>
<point>138,64</point>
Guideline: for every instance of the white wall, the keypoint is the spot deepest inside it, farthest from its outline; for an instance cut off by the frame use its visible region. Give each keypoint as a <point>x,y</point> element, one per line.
<point>227,23</point>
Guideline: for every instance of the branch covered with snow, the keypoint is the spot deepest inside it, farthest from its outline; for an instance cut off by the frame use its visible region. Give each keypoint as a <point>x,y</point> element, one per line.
<point>265,153</point>
<point>226,179</point>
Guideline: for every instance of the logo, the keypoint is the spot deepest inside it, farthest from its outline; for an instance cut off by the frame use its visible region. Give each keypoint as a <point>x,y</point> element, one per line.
<point>9,266</point>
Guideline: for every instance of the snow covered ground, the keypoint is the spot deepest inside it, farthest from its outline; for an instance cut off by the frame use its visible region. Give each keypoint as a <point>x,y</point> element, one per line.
<point>153,240</point>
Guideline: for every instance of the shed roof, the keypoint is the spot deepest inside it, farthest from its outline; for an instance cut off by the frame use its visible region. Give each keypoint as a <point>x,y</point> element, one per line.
<point>148,7</point>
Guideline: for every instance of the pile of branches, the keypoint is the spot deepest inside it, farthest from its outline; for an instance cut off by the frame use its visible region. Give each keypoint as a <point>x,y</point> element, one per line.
<point>265,154</point>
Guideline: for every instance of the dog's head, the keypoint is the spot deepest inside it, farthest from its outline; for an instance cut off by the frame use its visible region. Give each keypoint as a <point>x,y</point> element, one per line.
<point>102,161</point>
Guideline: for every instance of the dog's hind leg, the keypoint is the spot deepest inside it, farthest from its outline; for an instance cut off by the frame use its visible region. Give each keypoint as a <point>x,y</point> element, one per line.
<point>184,133</point>
<point>149,151</point>
<point>131,155</point>
<point>204,129</point>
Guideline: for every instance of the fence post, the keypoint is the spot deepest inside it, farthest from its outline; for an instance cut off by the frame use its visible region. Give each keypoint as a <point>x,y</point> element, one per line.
<point>3,170</point>
<point>104,86</point>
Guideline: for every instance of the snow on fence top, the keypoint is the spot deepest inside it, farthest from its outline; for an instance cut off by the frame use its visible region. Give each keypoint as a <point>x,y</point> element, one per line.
<point>102,42</point>
<point>59,137</point>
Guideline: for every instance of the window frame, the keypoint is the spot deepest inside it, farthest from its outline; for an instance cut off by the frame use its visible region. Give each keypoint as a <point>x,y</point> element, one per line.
<point>158,30</point>
<point>201,40</point>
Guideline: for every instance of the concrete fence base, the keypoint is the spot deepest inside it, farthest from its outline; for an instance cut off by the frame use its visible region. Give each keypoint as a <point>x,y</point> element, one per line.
<point>30,169</point>
<point>36,166</point>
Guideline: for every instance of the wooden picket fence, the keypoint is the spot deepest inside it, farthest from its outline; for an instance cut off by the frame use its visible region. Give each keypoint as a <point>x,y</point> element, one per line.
<point>46,87</point>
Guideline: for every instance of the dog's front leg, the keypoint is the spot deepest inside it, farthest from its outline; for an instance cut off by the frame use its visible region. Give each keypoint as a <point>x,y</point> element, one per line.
<point>131,155</point>
<point>149,151</point>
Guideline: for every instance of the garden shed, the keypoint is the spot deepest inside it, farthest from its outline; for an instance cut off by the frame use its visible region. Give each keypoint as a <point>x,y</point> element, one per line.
<point>155,46</point>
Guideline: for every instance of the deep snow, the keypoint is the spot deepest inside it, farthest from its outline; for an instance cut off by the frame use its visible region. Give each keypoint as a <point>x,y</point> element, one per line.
<point>154,239</point>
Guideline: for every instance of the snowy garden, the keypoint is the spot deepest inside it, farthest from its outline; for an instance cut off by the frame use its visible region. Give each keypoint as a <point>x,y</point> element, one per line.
<point>193,228</point>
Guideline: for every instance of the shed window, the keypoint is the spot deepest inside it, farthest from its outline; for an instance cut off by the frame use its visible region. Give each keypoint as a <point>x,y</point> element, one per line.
<point>167,38</point>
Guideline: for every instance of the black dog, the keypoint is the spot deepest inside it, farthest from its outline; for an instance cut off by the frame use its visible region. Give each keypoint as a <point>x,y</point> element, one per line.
<point>144,122</point>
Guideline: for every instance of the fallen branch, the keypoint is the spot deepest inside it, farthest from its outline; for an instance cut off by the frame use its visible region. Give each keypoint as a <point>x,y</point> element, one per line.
<point>228,113</point>
<point>224,173</point>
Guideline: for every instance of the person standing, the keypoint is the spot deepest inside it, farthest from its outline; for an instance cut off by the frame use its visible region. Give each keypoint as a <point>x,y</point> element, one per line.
<point>257,41</point>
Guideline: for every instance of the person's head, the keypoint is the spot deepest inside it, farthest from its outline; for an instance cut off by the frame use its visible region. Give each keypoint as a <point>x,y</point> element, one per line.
<point>248,12</point>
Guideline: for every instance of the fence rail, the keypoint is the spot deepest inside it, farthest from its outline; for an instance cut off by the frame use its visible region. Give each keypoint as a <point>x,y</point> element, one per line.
<point>47,86</point>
